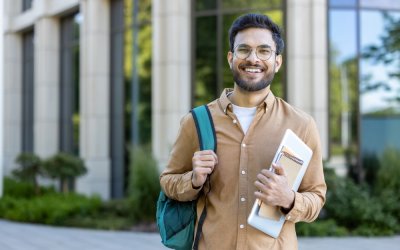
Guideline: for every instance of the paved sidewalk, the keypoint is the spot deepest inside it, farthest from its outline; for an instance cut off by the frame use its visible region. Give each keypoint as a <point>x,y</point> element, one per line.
<point>21,236</point>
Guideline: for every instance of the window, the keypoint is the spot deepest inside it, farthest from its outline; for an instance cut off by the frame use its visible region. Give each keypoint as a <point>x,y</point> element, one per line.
<point>69,80</point>
<point>212,20</point>
<point>364,84</point>
<point>27,91</point>
<point>130,89</point>
<point>26,5</point>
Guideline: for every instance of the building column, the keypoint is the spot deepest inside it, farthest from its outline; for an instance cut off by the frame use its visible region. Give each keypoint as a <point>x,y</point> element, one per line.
<point>94,97</point>
<point>171,80</point>
<point>307,58</point>
<point>12,89</point>
<point>47,83</point>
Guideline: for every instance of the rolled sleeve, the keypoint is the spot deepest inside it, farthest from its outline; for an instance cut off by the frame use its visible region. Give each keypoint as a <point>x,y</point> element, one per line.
<point>295,213</point>
<point>310,197</point>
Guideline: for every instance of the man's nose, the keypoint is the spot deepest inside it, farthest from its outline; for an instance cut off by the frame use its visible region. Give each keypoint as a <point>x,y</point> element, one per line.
<point>253,56</point>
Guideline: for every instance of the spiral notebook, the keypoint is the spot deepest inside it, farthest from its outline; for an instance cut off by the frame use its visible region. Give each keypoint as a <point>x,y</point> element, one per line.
<point>294,156</point>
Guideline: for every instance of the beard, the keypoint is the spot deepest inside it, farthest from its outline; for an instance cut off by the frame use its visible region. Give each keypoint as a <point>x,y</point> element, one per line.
<point>252,87</point>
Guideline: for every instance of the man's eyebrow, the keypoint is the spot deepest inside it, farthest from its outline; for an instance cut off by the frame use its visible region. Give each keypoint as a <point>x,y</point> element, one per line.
<point>260,46</point>
<point>265,46</point>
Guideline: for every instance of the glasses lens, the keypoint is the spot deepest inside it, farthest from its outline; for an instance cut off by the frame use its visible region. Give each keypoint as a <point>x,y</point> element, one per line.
<point>242,52</point>
<point>264,53</point>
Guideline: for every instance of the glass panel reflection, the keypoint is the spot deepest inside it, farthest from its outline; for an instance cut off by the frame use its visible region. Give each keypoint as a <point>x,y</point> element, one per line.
<point>343,3</point>
<point>381,4</point>
<point>343,88</point>
<point>206,61</point>
<point>380,74</point>
<point>233,4</point>
<point>206,5</point>
<point>380,84</point>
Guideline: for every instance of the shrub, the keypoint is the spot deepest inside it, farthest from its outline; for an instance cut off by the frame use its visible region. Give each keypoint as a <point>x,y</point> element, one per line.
<point>353,207</point>
<point>51,209</point>
<point>144,185</point>
<point>30,166</point>
<point>65,167</point>
<point>388,177</point>
<point>23,189</point>
<point>321,228</point>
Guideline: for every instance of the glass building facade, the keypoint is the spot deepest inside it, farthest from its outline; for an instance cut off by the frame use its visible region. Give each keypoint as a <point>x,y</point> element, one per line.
<point>364,84</point>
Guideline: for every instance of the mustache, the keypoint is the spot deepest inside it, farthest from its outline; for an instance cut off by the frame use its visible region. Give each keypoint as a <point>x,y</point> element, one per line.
<point>251,65</point>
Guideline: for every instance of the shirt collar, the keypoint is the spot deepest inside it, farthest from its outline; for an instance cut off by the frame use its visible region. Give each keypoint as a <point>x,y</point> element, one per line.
<point>226,104</point>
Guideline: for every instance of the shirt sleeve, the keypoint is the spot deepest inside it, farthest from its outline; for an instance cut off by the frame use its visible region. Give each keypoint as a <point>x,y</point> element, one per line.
<point>310,197</point>
<point>176,179</point>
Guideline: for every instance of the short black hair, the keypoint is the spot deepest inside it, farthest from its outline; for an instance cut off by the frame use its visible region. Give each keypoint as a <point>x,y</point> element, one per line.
<point>256,21</point>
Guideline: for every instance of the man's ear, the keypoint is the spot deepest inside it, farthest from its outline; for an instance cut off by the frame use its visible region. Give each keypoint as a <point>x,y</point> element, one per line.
<point>229,56</point>
<point>278,62</point>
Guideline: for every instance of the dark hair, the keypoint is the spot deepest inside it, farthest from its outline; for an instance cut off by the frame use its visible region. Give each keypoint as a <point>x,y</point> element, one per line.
<point>256,21</point>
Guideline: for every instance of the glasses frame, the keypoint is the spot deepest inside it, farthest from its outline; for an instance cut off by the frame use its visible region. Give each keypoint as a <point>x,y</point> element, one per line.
<point>252,49</point>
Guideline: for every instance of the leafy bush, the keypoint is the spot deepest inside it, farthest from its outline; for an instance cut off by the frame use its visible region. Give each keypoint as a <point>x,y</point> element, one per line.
<point>353,207</point>
<point>144,185</point>
<point>30,167</point>
<point>111,215</point>
<point>65,167</point>
<point>388,177</point>
<point>321,228</point>
<point>21,189</point>
<point>51,209</point>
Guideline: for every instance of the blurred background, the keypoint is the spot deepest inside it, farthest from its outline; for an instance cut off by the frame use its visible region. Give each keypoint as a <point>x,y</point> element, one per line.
<point>99,86</point>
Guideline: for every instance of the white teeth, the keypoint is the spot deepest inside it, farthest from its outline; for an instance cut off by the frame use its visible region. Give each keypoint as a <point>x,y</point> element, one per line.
<point>252,70</point>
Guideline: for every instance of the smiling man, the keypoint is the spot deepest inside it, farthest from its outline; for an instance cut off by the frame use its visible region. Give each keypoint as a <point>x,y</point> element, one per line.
<point>249,124</point>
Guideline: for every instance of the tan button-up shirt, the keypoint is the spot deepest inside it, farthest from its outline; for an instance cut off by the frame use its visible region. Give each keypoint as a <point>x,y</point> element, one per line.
<point>240,158</point>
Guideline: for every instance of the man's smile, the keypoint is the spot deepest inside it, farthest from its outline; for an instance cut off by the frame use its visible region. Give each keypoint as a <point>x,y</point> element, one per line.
<point>252,69</point>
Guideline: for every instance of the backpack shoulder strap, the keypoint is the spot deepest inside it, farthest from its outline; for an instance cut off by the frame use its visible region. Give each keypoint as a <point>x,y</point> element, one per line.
<point>205,128</point>
<point>207,140</point>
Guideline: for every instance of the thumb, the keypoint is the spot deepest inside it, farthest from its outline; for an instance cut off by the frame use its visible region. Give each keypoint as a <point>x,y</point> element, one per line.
<point>279,169</point>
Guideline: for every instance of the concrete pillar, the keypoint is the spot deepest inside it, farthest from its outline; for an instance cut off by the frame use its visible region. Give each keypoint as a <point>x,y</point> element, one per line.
<point>12,88</point>
<point>307,58</point>
<point>47,82</point>
<point>171,78</point>
<point>94,97</point>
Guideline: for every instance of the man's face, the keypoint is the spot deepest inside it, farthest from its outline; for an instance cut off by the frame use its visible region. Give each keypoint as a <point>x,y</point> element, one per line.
<point>252,73</point>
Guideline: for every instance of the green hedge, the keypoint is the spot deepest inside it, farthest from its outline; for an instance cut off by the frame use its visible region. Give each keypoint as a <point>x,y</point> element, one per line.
<point>20,203</point>
<point>144,185</point>
<point>358,209</point>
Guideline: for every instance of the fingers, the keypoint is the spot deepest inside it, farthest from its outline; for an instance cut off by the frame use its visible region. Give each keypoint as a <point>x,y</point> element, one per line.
<point>205,158</point>
<point>279,170</point>
<point>203,164</point>
<point>206,155</point>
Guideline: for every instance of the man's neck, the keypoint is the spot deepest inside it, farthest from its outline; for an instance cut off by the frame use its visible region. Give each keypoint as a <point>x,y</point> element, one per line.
<point>248,99</point>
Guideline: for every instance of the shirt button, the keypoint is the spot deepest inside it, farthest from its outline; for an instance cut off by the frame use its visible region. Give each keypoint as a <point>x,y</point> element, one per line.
<point>288,217</point>
<point>234,121</point>
<point>243,199</point>
<point>243,145</point>
<point>243,172</point>
<point>241,226</point>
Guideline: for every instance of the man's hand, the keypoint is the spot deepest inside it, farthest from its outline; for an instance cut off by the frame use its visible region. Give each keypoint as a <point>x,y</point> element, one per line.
<point>203,163</point>
<point>274,188</point>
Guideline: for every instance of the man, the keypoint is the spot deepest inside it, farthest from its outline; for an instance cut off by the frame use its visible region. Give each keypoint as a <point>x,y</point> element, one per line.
<point>249,124</point>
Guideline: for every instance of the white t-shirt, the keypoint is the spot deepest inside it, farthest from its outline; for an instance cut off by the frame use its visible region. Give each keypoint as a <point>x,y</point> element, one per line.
<point>245,116</point>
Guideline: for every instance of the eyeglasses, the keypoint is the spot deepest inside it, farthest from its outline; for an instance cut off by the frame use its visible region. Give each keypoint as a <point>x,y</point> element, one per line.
<point>263,52</point>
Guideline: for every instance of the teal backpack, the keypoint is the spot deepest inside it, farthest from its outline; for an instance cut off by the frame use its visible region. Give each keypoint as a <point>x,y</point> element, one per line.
<point>175,219</point>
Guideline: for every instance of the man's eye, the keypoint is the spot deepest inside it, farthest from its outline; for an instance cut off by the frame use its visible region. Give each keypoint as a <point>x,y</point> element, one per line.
<point>243,50</point>
<point>264,51</point>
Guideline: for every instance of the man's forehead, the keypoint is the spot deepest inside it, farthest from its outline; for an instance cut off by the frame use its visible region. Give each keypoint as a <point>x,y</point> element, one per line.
<point>254,37</point>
